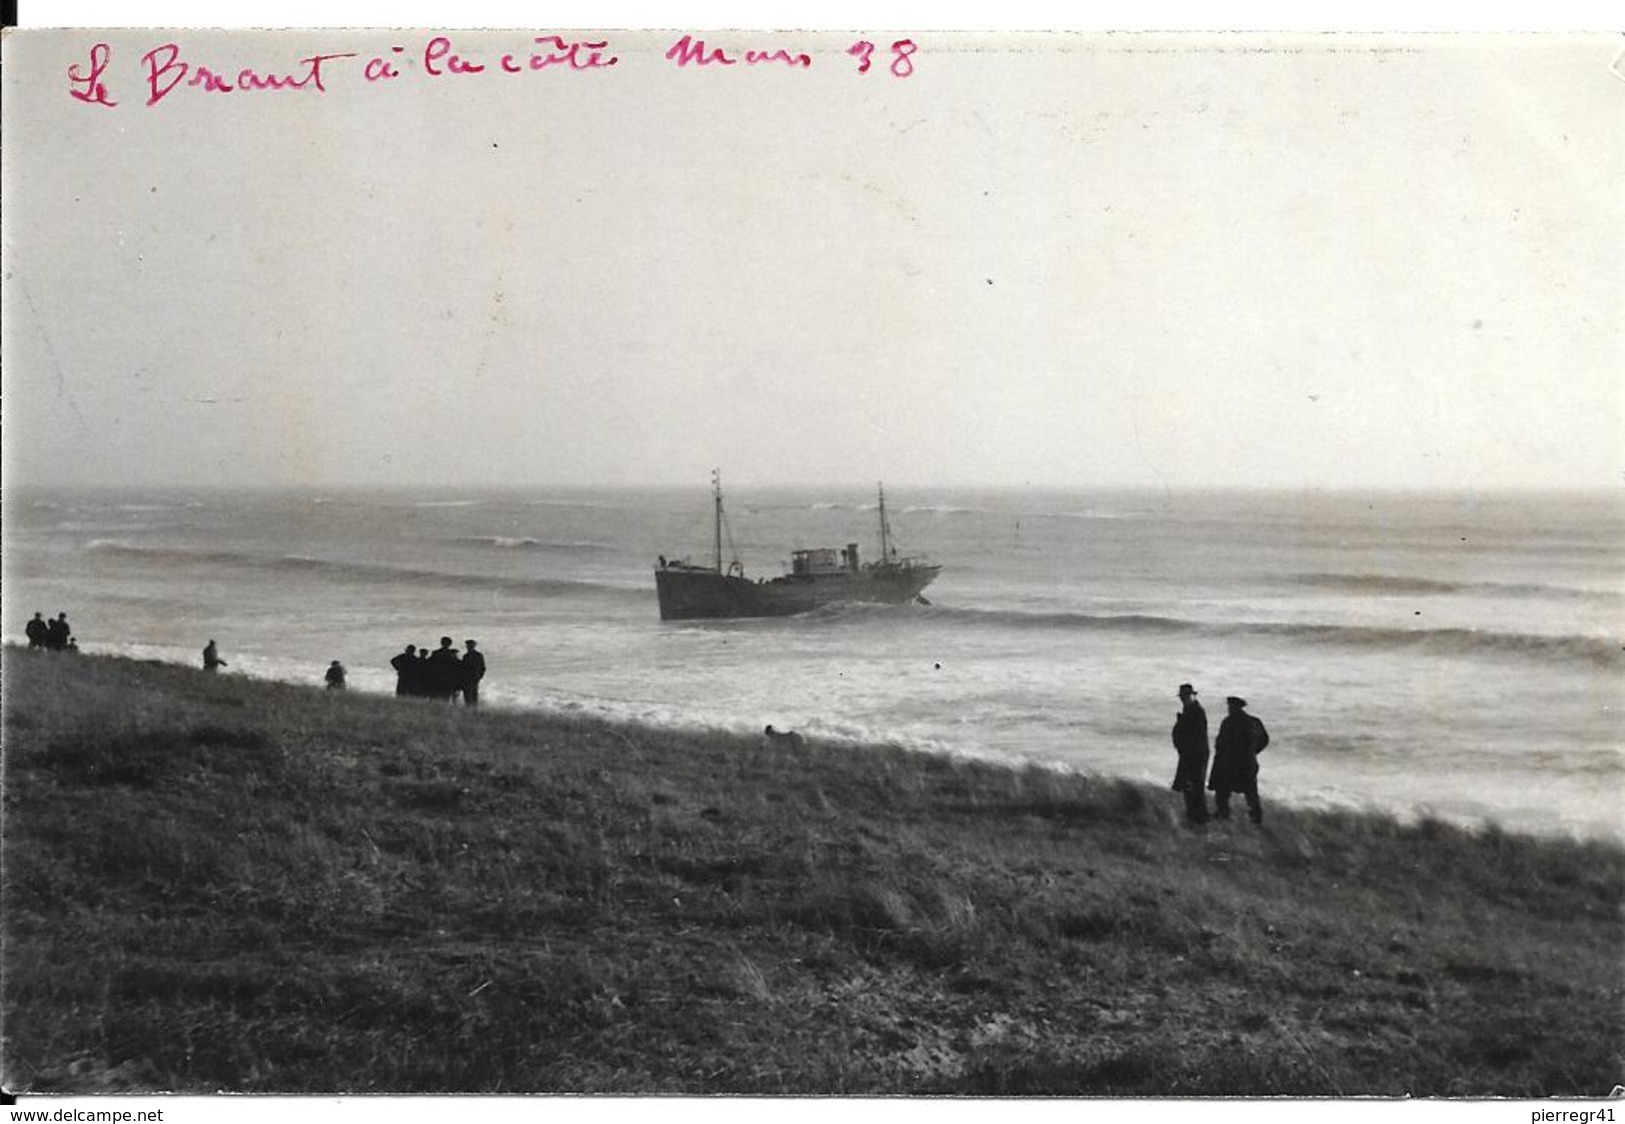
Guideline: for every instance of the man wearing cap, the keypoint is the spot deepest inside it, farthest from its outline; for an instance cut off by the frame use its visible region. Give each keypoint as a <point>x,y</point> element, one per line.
<point>406,671</point>
<point>473,672</point>
<point>1190,742</point>
<point>1235,760</point>
<point>445,674</point>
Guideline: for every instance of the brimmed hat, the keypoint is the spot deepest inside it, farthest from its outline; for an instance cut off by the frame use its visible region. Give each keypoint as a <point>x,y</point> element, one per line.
<point>1186,688</point>
<point>1234,701</point>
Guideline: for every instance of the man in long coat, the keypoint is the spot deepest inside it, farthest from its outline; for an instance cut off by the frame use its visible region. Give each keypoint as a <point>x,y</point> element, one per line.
<point>473,672</point>
<point>445,672</point>
<point>1235,760</point>
<point>1190,742</point>
<point>406,671</point>
<point>57,633</point>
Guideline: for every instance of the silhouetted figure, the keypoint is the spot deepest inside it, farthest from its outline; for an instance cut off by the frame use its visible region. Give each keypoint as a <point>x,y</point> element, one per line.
<point>473,672</point>
<point>211,658</point>
<point>38,631</point>
<point>57,633</point>
<point>1190,742</point>
<point>445,671</point>
<point>335,676</point>
<point>406,667</point>
<point>423,676</point>
<point>1235,760</point>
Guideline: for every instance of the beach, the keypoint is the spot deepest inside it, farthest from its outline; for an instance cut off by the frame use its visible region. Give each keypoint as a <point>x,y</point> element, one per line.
<point>1446,654</point>
<point>219,883</point>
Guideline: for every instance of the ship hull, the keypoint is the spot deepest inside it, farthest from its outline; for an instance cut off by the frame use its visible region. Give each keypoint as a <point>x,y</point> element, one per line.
<point>699,594</point>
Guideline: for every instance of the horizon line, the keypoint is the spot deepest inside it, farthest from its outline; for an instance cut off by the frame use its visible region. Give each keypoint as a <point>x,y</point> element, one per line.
<point>848,483</point>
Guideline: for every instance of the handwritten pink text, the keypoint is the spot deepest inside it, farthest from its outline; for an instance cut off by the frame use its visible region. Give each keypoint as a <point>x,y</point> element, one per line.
<point>576,56</point>
<point>902,64</point>
<point>689,51</point>
<point>166,68</point>
<point>92,89</point>
<point>165,71</point>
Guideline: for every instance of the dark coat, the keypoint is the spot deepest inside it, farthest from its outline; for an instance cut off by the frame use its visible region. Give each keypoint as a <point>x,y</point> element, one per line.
<point>1235,753</point>
<point>1190,741</point>
<point>445,673</point>
<point>406,673</point>
<point>473,667</point>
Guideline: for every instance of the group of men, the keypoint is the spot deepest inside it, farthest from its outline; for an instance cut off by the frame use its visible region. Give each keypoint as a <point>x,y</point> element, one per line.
<point>54,636</point>
<point>440,674</point>
<point>1241,739</point>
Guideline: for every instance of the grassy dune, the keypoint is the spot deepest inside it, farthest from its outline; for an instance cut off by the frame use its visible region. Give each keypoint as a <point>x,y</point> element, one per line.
<point>212,883</point>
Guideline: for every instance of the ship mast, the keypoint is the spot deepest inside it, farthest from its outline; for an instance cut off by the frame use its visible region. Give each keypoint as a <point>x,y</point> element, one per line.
<point>716,492</point>
<point>885,530</point>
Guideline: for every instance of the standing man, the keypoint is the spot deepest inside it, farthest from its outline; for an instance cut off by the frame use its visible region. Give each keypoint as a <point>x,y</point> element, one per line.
<point>335,676</point>
<point>406,670</point>
<point>211,658</point>
<point>1235,760</point>
<point>422,681</point>
<point>38,631</point>
<point>473,672</point>
<point>57,633</point>
<point>445,671</point>
<point>1190,742</point>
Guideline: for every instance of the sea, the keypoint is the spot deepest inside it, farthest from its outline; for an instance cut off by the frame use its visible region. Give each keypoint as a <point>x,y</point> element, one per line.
<point>1421,654</point>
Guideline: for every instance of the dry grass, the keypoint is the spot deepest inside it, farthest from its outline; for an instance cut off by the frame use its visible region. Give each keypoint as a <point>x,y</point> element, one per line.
<point>212,883</point>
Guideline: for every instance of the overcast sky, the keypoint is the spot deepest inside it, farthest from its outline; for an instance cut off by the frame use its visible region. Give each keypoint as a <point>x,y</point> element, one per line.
<point>1301,262</point>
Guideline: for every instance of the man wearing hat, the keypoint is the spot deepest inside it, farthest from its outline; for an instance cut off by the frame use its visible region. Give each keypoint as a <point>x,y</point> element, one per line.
<point>1190,742</point>
<point>444,673</point>
<point>1235,760</point>
<point>473,672</point>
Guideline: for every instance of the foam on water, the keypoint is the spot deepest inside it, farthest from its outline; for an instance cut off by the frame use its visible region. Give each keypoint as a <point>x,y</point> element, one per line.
<point>1413,654</point>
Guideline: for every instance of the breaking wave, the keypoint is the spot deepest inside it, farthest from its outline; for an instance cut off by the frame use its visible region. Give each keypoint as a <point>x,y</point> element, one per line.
<point>360,571</point>
<point>1083,516</point>
<point>1381,584</point>
<point>935,509</point>
<point>163,553</point>
<point>1437,641</point>
<point>525,542</point>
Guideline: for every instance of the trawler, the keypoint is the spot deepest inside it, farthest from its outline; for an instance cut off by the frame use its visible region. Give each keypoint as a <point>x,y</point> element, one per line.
<point>821,576</point>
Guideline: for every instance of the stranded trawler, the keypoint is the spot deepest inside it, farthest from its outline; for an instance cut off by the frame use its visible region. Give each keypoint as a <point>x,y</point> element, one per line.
<point>824,576</point>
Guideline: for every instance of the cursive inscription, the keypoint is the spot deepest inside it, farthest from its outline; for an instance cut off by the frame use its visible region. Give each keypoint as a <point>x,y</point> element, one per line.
<point>90,87</point>
<point>166,68</point>
<point>692,51</point>
<point>573,55</point>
